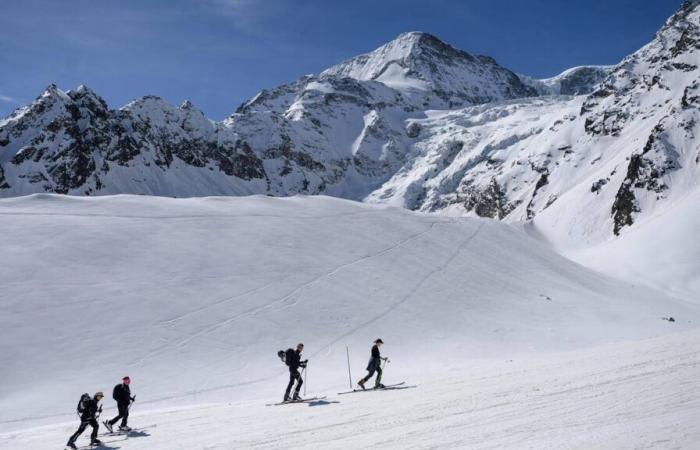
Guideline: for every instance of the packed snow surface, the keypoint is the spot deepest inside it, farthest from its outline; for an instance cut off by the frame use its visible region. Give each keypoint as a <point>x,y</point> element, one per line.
<point>620,396</point>
<point>502,338</point>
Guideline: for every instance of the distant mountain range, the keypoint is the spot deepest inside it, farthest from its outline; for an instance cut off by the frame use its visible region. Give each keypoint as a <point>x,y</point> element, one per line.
<point>416,123</point>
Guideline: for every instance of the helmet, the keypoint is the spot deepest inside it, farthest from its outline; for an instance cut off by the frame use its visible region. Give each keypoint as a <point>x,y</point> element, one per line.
<point>126,380</point>
<point>378,341</point>
<point>99,394</point>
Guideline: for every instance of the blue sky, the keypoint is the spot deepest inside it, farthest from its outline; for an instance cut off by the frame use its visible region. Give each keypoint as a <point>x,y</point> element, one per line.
<point>217,53</point>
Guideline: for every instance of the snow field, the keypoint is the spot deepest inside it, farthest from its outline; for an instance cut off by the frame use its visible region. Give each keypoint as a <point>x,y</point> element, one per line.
<point>618,396</point>
<point>193,298</point>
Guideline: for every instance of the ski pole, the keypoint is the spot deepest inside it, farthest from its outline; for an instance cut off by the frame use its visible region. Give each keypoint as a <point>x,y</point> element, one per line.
<point>347,350</point>
<point>305,376</point>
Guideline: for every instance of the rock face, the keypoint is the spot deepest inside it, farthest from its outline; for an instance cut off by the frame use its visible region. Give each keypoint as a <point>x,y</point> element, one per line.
<point>415,123</point>
<point>71,143</point>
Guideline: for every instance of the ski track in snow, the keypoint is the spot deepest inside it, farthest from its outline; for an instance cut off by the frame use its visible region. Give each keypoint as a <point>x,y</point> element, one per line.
<point>412,292</point>
<point>281,301</point>
<point>634,395</point>
<point>296,291</point>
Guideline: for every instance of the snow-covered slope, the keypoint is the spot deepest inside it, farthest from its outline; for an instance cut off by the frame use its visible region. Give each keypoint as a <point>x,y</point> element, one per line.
<point>585,168</point>
<point>193,297</point>
<point>617,396</point>
<point>660,250</point>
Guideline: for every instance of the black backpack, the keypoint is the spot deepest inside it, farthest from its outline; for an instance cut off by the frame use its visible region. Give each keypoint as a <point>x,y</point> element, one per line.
<point>82,403</point>
<point>284,355</point>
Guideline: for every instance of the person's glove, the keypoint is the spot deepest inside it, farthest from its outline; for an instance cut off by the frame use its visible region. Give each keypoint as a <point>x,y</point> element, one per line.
<point>133,399</point>
<point>99,410</point>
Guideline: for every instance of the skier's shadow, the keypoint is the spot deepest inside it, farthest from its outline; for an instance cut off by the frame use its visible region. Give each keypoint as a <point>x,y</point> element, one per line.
<point>139,433</point>
<point>322,402</point>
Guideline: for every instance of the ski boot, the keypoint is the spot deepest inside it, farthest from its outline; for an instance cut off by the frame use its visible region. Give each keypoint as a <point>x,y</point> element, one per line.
<point>361,383</point>
<point>96,443</point>
<point>379,386</point>
<point>125,428</point>
<point>71,445</point>
<point>108,425</point>
<point>297,398</point>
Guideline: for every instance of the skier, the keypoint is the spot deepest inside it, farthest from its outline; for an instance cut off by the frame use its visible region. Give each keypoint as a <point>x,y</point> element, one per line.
<point>293,360</point>
<point>122,394</point>
<point>375,365</point>
<point>89,408</point>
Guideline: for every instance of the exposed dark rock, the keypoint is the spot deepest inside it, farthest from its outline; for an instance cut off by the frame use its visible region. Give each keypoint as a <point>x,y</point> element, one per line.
<point>413,130</point>
<point>598,185</point>
<point>642,173</point>
<point>490,201</point>
<point>3,182</point>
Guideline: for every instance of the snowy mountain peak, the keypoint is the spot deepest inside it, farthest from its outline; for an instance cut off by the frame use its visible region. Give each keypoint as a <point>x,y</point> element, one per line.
<point>84,97</point>
<point>409,50</point>
<point>51,90</point>
<point>679,29</point>
<point>51,94</point>
<point>689,5</point>
<point>420,64</point>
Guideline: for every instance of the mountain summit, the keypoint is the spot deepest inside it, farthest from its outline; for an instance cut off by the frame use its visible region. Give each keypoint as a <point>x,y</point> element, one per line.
<point>417,61</point>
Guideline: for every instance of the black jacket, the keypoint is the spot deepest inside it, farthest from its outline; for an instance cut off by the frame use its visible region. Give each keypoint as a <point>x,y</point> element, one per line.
<point>293,360</point>
<point>375,361</point>
<point>90,411</point>
<point>122,394</point>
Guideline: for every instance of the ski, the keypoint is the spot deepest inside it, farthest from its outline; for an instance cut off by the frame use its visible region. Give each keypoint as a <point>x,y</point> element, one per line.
<point>91,446</point>
<point>387,387</point>
<point>290,402</point>
<point>126,433</point>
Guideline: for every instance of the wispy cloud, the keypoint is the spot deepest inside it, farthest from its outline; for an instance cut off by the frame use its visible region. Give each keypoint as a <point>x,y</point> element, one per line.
<point>247,15</point>
<point>8,99</point>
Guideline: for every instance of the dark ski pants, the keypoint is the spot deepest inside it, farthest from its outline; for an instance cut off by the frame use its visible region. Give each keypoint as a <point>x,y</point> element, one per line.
<point>123,414</point>
<point>93,423</point>
<point>378,381</point>
<point>293,376</point>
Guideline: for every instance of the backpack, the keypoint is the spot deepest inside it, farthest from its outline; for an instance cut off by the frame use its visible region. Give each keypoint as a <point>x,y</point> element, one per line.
<point>284,355</point>
<point>82,403</point>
